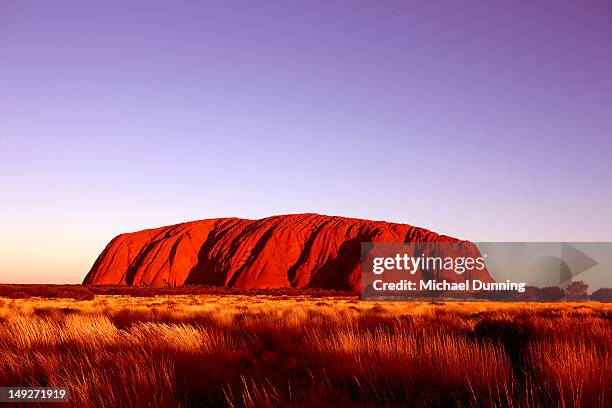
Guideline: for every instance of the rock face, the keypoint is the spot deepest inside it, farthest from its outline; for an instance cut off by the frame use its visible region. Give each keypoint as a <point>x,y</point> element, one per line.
<point>300,251</point>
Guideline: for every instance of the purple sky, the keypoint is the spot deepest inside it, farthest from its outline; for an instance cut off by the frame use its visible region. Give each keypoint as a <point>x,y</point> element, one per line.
<point>484,120</point>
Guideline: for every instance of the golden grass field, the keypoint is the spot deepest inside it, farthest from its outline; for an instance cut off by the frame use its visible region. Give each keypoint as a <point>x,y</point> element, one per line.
<point>278,351</point>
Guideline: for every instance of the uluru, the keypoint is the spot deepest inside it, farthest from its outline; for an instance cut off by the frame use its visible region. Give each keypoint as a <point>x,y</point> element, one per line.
<point>284,251</point>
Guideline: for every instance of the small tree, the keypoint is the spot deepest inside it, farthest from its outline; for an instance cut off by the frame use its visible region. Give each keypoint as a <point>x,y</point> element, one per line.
<point>577,290</point>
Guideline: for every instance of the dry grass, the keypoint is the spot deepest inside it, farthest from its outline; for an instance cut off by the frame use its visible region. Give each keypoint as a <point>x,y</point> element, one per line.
<point>259,351</point>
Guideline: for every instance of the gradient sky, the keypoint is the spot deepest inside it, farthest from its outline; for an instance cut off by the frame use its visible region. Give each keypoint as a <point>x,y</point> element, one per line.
<point>486,120</point>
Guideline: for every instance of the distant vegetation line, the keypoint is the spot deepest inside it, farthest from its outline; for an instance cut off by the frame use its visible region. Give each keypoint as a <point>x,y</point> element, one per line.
<point>576,292</point>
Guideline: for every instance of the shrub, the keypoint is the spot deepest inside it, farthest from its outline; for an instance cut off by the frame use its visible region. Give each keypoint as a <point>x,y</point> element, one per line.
<point>602,295</point>
<point>45,291</point>
<point>85,294</point>
<point>78,294</point>
<point>503,295</point>
<point>66,294</point>
<point>530,294</point>
<point>551,294</point>
<point>18,295</point>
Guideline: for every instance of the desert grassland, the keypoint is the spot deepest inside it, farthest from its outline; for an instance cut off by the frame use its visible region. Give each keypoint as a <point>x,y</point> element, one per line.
<point>259,351</point>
